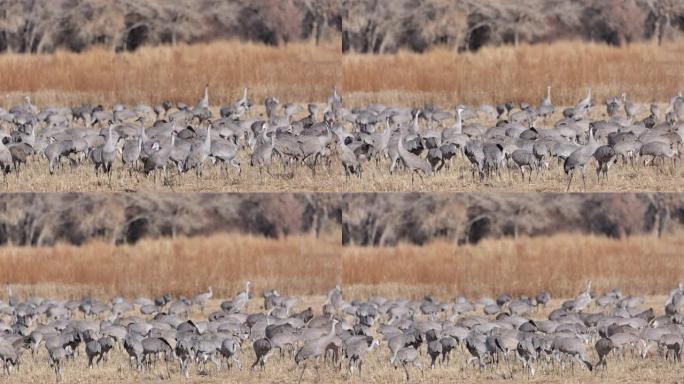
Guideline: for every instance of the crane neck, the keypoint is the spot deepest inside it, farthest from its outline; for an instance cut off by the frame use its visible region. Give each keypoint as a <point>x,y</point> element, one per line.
<point>459,122</point>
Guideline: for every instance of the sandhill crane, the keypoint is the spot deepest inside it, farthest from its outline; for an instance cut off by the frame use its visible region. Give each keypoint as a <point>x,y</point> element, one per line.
<point>357,350</point>
<point>414,163</point>
<point>93,349</point>
<point>225,152</point>
<point>603,347</point>
<point>583,299</point>
<point>199,154</point>
<point>8,356</point>
<point>349,162</point>
<point>574,347</point>
<point>579,159</point>
<point>527,351</point>
<point>631,109</point>
<point>542,298</point>
<point>477,346</point>
<point>494,156</point>
<point>201,299</point>
<point>6,161</point>
<point>109,153</point>
<point>263,152</point>
<point>153,347</point>
<point>434,350</point>
<point>241,300</point>
<point>546,108</point>
<point>612,106</point>
<point>262,349</point>
<point>605,157</point>
<point>131,153</point>
<point>56,358</point>
<point>406,356</point>
<point>657,149</point>
<point>204,101</point>
<point>523,158</point>
<point>159,159</point>
<point>651,120</point>
<point>474,152</point>
<point>583,106</point>
<point>314,349</point>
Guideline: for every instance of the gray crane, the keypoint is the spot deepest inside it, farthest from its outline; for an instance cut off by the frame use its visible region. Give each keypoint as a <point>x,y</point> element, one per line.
<point>413,162</point>
<point>658,150</point>
<point>631,109</point>
<point>56,358</point>
<point>605,157</point>
<point>263,152</point>
<point>201,299</point>
<point>8,356</point>
<point>262,349</point>
<point>546,108</point>
<point>494,157</point>
<point>6,161</point>
<point>357,350</point>
<point>524,158</point>
<point>406,356</point>
<point>583,106</point>
<point>574,347</point>
<point>159,159</point>
<point>130,154</point>
<point>603,347</point>
<point>314,349</point>
<point>199,154</point>
<point>203,103</point>
<point>349,161</point>
<point>579,159</point>
<point>109,153</point>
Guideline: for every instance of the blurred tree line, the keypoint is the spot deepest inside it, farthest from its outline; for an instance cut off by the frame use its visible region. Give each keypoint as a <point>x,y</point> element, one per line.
<point>38,26</point>
<point>378,26</point>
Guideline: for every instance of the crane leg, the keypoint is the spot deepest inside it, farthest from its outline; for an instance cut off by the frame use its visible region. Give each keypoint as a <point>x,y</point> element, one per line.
<point>569,181</point>
<point>302,374</point>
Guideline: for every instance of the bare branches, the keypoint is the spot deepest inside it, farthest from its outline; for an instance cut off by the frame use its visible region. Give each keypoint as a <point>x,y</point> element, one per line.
<point>44,25</point>
<point>389,25</point>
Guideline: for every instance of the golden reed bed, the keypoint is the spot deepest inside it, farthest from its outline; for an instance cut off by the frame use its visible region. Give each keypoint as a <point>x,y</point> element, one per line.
<point>305,265</point>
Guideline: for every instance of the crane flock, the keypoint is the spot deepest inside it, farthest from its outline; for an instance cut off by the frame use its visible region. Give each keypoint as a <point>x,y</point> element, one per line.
<point>172,139</point>
<point>504,336</point>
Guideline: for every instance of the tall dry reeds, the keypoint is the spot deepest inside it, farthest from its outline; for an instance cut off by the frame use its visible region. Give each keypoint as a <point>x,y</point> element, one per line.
<point>299,72</point>
<point>645,71</point>
<point>561,264</point>
<point>294,265</point>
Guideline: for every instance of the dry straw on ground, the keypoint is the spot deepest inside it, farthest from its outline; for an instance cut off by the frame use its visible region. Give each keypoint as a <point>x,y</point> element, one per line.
<point>622,177</point>
<point>645,71</point>
<point>298,72</point>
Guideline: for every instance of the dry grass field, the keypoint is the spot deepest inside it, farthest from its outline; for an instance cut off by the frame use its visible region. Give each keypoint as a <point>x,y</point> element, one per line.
<point>561,264</point>
<point>304,265</point>
<point>301,265</point>
<point>645,71</point>
<point>376,178</point>
<point>303,73</point>
<point>376,368</point>
<point>298,72</point>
